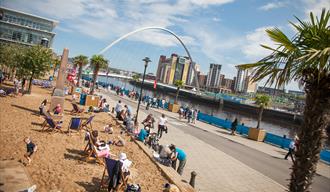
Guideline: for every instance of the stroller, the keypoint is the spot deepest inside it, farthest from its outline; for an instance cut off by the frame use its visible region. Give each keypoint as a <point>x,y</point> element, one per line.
<point>153,142</point>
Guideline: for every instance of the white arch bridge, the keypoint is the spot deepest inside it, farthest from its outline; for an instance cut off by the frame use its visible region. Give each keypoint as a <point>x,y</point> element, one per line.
<point>155,28</point>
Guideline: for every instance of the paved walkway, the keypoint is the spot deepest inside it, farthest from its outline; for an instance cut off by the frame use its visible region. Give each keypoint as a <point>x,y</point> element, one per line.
<point>217,171</point>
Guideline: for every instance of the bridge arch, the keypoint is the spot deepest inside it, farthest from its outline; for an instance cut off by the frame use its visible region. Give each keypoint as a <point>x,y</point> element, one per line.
<point>155,28</point>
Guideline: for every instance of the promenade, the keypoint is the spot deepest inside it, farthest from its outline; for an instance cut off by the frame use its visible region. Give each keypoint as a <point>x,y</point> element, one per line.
<point>222,161</point>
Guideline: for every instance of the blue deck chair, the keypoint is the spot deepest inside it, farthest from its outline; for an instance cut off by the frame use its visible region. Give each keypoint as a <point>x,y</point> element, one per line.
<point>87,125</point>
<point>52,125</point>
<point>75,124</point>
<point>109,169</point>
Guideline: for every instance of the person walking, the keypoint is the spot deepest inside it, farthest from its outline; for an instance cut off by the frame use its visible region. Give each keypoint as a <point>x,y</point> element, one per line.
<point>162,126</point>
<point>234,126</point>
<point>179,155</point>
<point>118,108</point>
<point>292,148</point>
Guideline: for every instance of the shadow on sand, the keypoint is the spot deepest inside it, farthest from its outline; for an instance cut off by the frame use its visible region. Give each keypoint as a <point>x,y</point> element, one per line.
<point>26,109</point>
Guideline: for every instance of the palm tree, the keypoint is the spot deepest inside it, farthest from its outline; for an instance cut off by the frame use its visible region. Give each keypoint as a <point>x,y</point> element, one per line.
<point>304,58</point>
<point>179,85</point>
<point>262,101</point>
<point>97,62</point>
<point>80,60</point>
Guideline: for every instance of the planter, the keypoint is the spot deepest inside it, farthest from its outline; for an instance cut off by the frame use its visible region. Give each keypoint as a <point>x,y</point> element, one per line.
<point>173,107</point>
<point>257,134</point>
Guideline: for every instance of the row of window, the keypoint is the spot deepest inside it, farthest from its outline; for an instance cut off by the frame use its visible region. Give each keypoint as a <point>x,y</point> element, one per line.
<point>21,36</point>
<point>26,22</point>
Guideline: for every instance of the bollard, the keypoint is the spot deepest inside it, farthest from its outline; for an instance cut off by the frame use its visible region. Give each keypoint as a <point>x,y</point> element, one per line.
<point>192,178</point>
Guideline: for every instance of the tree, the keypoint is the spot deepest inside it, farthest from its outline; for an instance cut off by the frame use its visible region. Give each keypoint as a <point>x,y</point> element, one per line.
<point>97,62</point>
<point>179,85</point>
<point>136,78</point>
<point>56,63</point>
<point>10,55</point>
<point>36,62</point>
<point>304,58</point>
<point>80,60</point>
<point>262,101</point>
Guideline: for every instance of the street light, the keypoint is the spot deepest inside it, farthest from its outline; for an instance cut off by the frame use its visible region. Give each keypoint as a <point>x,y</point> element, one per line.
<point>146,61</point>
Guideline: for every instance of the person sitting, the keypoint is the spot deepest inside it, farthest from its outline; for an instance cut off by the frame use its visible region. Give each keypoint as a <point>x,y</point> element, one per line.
<point>58,109</point>
<point>149,121</point>
<point>125,165</point>
<point>102,148</point>
<point>165,155</point>
<point>30,148</point>
<point>122,115</point>
<point>108,128</point>
<point>142,135</point>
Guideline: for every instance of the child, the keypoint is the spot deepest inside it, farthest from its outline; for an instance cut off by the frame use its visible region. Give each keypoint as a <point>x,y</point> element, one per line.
<point>58,109</point>
<point>108,128</point>
<point>31,148</point>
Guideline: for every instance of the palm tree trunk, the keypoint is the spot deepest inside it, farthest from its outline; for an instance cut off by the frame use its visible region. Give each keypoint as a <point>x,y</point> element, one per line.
<point>96,71</point>
<point>177,95</point>
<point>79,74</point>
<point>261,110</point>
<point>316,118</point>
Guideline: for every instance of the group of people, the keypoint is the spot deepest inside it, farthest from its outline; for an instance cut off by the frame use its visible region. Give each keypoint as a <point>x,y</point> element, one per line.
<point>188,113</point>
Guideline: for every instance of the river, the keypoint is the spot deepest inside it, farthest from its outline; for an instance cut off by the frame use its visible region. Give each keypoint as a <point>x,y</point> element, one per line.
<point>272,126</point>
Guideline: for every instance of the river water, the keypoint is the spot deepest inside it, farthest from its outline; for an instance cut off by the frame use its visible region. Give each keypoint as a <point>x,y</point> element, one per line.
<point>273,126</point>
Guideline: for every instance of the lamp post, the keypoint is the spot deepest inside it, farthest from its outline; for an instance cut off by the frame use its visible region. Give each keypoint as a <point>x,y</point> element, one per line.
<point>146,61</point>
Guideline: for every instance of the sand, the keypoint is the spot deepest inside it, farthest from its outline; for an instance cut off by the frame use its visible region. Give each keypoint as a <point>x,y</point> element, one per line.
<point>59,164</point>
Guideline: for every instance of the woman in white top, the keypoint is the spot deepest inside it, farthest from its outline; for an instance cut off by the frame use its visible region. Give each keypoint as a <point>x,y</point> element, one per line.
<point>162,125</point>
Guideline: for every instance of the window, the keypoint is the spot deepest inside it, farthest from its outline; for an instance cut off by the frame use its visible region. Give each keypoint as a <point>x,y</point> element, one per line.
<point>16,36</point>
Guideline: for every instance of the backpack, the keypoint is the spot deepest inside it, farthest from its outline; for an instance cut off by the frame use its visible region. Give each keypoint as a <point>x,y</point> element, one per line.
<point>133,188</point>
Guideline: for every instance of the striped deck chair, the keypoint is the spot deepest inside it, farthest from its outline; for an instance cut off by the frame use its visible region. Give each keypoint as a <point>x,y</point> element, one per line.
<point>52,125</point>
<point>87,125</point>
<point>76,109</point>
<point>75,124</point>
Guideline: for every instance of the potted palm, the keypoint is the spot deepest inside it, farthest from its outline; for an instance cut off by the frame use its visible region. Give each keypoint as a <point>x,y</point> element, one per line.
<point>174,107</point>
<point>258,134</point>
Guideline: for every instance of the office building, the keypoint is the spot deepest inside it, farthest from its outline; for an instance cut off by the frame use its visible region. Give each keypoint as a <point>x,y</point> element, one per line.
<point>191,73</point>
<point>213,77</point>
<point>171,69</point>
<point>243,82</point>
<point>26,29</point>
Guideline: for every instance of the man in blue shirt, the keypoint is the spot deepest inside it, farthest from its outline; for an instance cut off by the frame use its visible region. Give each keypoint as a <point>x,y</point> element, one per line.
<point>142,135</point>
<point>181,156</point>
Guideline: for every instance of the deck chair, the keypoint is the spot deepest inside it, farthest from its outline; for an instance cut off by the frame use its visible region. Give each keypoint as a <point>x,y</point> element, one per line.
<point>52,125</point>
<point>76,109</point>
<point>109,168</point>
<point>92,151</point>
<point>75,124</point>
<point>87,125</point>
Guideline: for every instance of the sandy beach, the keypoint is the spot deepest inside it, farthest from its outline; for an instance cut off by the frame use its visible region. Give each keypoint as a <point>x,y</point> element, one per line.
<point>59,164</point>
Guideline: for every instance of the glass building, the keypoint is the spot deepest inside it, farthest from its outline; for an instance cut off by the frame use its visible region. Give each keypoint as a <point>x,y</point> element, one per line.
<point>26,29</point>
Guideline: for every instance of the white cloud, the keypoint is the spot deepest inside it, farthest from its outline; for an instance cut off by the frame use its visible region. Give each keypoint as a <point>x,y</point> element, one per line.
<point>252,49</point>
<point>210,2</point>
<point>272,5</point>
<point>315,6</point>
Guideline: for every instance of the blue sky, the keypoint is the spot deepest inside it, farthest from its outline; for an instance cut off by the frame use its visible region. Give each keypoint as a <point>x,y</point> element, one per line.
<point>228,32</point>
